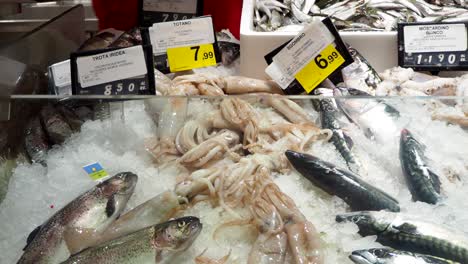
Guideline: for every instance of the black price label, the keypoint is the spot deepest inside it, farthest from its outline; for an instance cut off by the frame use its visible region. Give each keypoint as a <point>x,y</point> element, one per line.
<point>121,71</point>
<point>155,11</point>
<point>433,46</point>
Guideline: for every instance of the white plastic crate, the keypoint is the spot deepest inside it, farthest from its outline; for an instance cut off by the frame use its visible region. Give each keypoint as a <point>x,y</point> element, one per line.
<point>379,48</point>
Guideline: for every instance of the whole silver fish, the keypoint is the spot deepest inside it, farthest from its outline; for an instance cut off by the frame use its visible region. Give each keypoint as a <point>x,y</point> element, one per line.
<point>70,117</point>
<point>329,118</point>
<point>423,183</point>
<point>229,46</point>
<point>35,141</point>
<point>101,40</point>
<point>151,212</point>
<point>375,118</point>
<point>73,227</point>
<point>144,246</point>
<point>358,194</point>
<point>55,125</point>
<point>360,74</point>
<point>404,233</point>
<point>391,256</point>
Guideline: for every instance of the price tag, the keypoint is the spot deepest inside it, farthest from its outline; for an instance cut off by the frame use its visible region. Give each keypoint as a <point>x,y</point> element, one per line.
<point>320,68</point>
<point>155,11</point>
<point>95,171</point>
<point>307,60</point>
<point>183,45</point>
<point>433,46</point>
<point>302,48</point>
<point>186,58</point>
<point>120,71</point>
<point>60,78</point>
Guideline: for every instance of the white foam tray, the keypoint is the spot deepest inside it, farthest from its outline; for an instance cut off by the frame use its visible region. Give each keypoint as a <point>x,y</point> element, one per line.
<point>379,48</point>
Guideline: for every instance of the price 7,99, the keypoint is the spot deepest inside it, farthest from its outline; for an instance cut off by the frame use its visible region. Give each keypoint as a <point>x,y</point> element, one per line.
<point>322,63</point>
<point>206,55</point>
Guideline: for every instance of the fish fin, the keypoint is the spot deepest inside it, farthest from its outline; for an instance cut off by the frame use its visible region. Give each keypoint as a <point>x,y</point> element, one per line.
<point>31,236</point>
<point>369,134</point>
<point>158,256</point>
<point>406,228</point>
<point>78,239</point>
<point>110,206</point>
<point>348,140</point>
<point>392,110</point>
<point>435,180</point>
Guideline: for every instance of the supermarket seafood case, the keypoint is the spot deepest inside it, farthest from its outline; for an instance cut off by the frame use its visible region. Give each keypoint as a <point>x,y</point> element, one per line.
<point>219,168</point>
<point>175,145</point>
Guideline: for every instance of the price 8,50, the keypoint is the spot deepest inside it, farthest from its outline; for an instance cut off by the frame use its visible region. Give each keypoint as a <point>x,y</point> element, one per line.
<point>187,58</point>
<point>124,88</point>
<point>318,69</point>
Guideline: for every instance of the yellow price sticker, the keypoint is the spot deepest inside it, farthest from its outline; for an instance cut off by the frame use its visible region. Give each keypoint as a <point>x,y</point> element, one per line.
<point>318,69</point>
<point>187,58</point>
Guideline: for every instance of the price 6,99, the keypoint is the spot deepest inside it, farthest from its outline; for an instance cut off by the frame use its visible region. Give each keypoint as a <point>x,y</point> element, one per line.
<point>206,55</point>
<point>322,63</point>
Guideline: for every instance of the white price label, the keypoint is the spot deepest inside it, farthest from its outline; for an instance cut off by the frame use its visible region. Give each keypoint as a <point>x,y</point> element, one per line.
<point>172,6</point>
<point>61,73</point>
<point>181,33</point>
<point>303,48</point>
<point>433,38</point>
<point>280,77</point>
<point>111,66</point>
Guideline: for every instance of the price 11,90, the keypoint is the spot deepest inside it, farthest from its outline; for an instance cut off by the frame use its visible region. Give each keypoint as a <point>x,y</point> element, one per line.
<point>206,54</point>
<point>441,58</point>
<point>322,63</point>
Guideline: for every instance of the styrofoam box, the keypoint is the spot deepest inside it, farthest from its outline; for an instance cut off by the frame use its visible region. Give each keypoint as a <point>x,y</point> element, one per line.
<point>379,48</point>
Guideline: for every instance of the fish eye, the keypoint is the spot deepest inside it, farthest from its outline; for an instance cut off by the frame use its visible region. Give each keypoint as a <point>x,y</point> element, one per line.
<point>181,224</point>
<point>379,252</point>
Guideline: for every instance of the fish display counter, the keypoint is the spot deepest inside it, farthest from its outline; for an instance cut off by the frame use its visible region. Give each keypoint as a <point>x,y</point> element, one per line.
<point>209,165</point>
<point>235,179</point>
